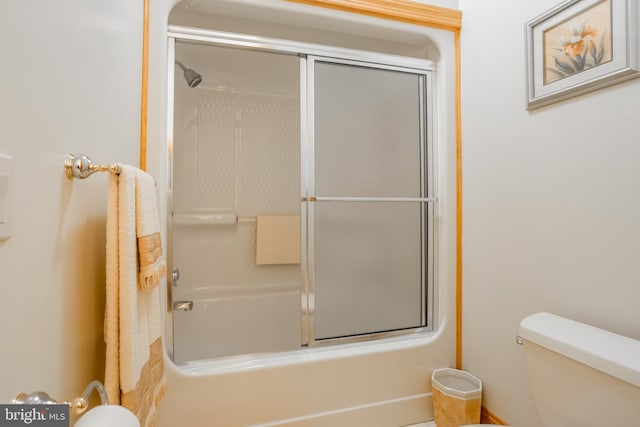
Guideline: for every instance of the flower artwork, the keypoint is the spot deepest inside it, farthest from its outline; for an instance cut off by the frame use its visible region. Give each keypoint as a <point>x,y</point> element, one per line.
<point>571,49</point>
<point>579,43</point>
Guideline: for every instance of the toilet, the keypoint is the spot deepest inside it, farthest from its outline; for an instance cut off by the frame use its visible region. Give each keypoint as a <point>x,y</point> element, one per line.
<point>580,375</point>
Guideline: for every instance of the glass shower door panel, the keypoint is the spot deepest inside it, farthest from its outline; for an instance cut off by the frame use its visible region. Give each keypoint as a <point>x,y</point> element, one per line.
<point>368,146</point>
<point>367,132</point>
<point>368,275</point>
<point>236,163</point>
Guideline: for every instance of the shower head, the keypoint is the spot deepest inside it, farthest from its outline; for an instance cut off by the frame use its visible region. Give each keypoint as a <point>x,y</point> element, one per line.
<point>193,79</point>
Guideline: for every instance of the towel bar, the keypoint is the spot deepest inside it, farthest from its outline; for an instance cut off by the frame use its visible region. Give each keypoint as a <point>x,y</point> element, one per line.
<point>77,405</point>
<point>81,167</point>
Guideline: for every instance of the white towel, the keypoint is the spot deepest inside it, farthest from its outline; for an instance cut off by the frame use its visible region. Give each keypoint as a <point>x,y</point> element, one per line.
<point>134,372</point>
<point>152,264</point>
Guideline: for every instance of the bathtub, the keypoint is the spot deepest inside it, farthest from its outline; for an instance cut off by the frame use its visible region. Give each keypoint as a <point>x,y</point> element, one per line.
<point>264,319</point>
<point>384,383</point>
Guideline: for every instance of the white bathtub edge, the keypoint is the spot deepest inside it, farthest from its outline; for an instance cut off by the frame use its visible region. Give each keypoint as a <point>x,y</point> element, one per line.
<point>301,356</point>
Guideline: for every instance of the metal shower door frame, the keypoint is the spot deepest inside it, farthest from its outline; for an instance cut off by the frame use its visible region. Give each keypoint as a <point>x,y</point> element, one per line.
<point>428,197</point>
<point>309,53</point>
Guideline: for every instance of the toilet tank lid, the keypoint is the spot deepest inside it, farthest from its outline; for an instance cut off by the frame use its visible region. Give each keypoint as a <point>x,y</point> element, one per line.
<point>614,354</point>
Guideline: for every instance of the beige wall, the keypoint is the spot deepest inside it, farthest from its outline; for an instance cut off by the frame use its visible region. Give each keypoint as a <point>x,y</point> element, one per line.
<point>69,82</point>
<point>550,207</point>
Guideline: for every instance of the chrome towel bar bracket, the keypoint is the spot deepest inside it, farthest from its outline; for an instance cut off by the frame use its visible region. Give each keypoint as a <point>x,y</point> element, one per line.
<point>81,167</point>
<point>77,405</point>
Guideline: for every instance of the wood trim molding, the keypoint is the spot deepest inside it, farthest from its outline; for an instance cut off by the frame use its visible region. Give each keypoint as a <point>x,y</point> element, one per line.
<point>487,417</point>
<point>145,86</point>
<point>458,207</point>
<point>396,10</point>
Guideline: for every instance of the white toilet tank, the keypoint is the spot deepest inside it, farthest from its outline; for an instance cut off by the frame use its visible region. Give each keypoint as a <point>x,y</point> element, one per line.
<point>580,375</point>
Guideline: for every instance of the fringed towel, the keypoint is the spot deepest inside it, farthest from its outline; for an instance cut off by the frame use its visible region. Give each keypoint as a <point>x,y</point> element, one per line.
<point>134,369</point>
<point>152,264</point>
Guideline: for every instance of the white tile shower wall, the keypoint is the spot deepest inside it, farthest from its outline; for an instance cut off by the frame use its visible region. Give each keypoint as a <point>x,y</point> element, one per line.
<point>237,152</point>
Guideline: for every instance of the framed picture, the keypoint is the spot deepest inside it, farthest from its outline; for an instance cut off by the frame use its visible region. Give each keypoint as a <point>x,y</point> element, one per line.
<point>580,46</point>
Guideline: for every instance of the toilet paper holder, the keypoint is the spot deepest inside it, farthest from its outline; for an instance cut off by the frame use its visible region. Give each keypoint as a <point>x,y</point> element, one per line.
<point>78,405</point>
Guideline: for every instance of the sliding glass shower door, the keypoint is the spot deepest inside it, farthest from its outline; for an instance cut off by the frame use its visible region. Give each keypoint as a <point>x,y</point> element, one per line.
<point>369,186</point>
<point>236,203</point>
<point>302,198</point>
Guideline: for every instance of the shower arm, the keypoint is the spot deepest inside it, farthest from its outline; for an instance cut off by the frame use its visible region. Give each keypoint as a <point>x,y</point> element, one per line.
<point>181,65</point>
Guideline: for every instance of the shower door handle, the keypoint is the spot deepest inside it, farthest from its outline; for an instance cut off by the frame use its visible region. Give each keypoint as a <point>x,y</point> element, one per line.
<point>175,276</point>
<point>183,306</point>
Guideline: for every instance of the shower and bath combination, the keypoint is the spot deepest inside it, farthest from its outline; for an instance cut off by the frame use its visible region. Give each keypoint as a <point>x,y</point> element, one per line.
<point>193,78</point>
<point>265,268</point>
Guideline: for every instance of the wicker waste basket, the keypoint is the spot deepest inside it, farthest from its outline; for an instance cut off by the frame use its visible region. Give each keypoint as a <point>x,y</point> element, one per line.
<point>457,397</point>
